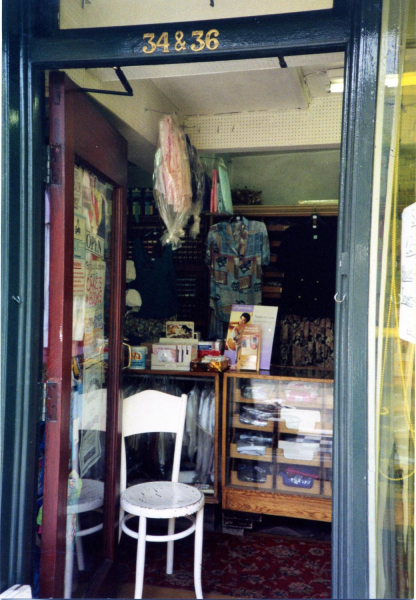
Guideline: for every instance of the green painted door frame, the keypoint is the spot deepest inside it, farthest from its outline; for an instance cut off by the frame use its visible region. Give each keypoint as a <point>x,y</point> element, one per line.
<point>29,47</point>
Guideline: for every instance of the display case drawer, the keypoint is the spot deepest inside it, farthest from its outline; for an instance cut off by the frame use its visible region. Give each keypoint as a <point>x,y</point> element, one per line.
<point>315,462</point>
<point>268,456</point>
<point>267,485</point>
<point>300,419</point>
<point>315,490</point>
<point>236,423</point>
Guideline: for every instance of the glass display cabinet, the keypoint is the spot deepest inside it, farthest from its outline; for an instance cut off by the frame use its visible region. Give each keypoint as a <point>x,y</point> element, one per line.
<point>277,443</point>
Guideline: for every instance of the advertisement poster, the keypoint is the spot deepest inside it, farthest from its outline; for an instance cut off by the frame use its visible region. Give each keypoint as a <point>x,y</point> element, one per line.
<point>93,409</point>
<point>244,314</point>
<point>248,352</point>
<point>78,313</point>
<point>94,308</point>
<point>407,319</point>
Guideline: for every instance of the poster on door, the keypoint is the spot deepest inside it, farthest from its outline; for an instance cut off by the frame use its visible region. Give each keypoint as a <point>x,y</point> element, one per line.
<point>94,308</point>
<point>78,312</point>
<point>407,319</point>
<point>93,407</point>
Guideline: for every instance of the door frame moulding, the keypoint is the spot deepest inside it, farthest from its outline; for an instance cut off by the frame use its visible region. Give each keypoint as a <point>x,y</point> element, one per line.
<point>327,31</point>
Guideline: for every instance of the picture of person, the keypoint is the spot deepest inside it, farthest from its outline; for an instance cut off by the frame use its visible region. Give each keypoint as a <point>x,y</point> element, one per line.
<point>234,336</point>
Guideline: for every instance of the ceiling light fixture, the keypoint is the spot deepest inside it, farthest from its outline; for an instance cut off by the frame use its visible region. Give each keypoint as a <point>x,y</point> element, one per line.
<point>336,85</point>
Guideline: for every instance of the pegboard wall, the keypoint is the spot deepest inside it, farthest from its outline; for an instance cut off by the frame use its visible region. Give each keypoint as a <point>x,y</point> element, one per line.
<point>317,126</point>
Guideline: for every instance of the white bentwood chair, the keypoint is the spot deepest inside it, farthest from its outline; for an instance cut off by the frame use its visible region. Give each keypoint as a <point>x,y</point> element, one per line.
<point>146,412</point>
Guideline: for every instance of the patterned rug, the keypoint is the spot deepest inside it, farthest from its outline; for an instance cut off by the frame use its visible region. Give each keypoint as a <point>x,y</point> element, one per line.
<point>252,566</point>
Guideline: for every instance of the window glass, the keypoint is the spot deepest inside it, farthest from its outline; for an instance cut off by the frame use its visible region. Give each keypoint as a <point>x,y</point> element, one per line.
<point>392,311</point>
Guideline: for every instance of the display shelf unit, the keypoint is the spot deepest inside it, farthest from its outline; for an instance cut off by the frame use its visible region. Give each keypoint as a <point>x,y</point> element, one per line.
<point>191,274</point>
<point>185,381</point>
<point>277,443</point>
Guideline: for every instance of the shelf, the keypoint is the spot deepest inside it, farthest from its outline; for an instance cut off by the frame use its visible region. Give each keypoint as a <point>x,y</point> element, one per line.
<point>272,273</point>
<point>324,429</point>
<point>268,457</point>
<point>238,425</point>
<point>294,210</point>
<point>139,372</point>
<point>272,289</point>
<point>275,243</point>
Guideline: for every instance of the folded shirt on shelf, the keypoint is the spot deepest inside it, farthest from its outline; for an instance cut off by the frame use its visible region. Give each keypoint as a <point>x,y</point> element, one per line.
<point>258,415</point>
<point>254,445</point>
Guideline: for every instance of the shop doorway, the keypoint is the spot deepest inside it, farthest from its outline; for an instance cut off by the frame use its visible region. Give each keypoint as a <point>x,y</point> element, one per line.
<point>323,154</point>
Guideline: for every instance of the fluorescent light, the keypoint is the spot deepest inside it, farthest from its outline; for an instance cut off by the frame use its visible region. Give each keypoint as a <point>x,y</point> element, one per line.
<point>336,85</point>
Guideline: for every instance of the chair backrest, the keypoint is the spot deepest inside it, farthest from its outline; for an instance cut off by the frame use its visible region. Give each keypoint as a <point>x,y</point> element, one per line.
<point>152,411</point>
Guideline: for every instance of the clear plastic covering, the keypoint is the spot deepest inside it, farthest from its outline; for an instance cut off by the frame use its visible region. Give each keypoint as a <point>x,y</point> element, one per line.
<point>178,181</point>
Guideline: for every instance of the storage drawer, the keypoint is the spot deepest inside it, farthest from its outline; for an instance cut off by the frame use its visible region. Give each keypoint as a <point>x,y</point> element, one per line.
<point>315,490</point>
<point>236,423</point>
<point>268,456</point>
<point>300,419</point>
<point>267,485</point>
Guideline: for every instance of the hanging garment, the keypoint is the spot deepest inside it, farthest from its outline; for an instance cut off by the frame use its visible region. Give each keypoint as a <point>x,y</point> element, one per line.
<point>198,186</point>
<point>206,428</point>
<point>191,423</point>
<point>156,282</point>
<point>172,180</point>
<point>235,255</point>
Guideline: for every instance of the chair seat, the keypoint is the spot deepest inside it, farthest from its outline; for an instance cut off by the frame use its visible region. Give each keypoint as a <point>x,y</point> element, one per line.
<point>162,500</point>
<point>91,497</point>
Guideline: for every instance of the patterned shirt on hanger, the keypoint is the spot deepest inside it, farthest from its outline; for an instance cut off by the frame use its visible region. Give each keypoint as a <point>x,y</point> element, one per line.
<point>235,255</point>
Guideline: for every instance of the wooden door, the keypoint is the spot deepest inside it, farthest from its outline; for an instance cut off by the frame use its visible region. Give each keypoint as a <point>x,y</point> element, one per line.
<point>86,301</point>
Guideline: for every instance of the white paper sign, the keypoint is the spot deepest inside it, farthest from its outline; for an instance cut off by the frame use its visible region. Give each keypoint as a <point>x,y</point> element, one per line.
<point>407,320</point>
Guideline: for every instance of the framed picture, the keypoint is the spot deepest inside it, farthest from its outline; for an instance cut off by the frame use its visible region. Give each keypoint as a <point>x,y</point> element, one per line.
<point>180,329</point>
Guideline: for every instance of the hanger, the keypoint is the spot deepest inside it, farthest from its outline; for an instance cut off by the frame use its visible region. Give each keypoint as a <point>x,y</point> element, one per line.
<point>234,218</point>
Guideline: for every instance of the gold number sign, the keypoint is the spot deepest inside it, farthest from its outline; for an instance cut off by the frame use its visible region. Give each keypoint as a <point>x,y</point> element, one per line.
<point>201,39</point>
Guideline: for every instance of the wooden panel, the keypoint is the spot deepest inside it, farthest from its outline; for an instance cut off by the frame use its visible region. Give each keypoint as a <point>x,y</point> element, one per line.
<point>296,506</point>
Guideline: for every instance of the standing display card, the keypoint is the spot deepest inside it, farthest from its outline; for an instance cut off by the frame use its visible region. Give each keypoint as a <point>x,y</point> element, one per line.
<point>246,314</point>
<point>180,329</point>
<point>248,352</point>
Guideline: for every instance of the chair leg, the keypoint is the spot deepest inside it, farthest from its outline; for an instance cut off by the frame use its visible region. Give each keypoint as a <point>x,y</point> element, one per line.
<point>80,553</point>
<point>169,559</point>
<point>141,553</point>
<point>198,552</point>
<point>69,559</point>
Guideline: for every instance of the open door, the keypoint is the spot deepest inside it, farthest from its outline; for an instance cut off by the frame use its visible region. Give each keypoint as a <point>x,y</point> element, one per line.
<point>85,356</point>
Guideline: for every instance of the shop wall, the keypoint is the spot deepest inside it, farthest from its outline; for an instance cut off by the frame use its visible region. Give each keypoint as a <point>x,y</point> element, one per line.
<point>289,177</point>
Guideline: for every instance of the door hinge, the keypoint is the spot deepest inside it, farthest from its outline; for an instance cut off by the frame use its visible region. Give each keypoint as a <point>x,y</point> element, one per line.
<point>55,161</point>
<point>51,401</point>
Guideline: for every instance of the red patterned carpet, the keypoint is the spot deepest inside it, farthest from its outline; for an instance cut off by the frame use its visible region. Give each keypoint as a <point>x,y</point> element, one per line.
<point>252,566</point>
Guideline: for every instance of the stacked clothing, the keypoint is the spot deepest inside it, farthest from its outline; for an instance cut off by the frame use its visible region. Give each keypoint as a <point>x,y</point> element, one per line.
<point>252,472</point>
<point>258,415</point>
<point>253,444</point>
